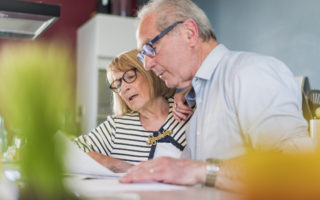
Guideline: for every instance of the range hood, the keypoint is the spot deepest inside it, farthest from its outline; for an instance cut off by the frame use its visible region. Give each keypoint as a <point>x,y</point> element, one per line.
<point>26,20</point>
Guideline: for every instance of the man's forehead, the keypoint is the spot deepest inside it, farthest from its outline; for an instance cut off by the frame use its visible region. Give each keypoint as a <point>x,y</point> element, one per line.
<point>143,37</point>
<point>144,42</point>
<point>146,31</point>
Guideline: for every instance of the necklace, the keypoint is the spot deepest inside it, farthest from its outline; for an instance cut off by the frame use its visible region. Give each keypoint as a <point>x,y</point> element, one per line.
<point>153,140</point>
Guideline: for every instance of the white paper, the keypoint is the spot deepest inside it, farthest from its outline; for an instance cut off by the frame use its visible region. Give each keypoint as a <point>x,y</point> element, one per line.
<point>78,162</point>
<point>90,179</point>
<point>111,186</point>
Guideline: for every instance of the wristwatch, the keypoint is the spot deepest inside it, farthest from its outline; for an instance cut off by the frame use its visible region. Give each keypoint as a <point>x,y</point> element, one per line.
<point>212,168</point>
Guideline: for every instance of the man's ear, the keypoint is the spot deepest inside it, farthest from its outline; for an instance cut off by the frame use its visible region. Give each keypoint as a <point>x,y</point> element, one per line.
<point>191,32</point>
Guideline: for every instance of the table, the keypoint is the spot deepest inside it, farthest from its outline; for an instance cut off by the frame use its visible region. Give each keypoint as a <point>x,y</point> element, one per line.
<point>110,188</point>
<point>191,193</point>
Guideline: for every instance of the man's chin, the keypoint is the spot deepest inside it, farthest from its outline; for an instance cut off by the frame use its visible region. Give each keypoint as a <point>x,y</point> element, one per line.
<point>170,84</point>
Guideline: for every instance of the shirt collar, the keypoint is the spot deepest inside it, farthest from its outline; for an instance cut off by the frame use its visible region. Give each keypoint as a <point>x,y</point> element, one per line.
<point>211,62</point>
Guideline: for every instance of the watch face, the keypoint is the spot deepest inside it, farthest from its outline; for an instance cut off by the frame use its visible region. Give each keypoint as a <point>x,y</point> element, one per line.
<point>216,168</point>
<point>212,168</point>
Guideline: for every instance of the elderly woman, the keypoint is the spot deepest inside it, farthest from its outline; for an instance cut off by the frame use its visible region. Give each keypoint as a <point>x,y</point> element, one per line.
<point>143,126</point>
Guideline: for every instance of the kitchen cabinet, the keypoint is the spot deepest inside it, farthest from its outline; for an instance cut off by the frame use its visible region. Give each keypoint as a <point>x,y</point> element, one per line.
<point>98,41</point>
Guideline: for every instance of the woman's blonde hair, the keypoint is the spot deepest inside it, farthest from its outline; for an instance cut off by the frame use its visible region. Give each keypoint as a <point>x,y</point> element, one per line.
<point>126,61</point>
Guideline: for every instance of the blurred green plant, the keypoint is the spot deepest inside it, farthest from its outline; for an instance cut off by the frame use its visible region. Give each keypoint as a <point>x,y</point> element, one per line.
<point>36,98</point>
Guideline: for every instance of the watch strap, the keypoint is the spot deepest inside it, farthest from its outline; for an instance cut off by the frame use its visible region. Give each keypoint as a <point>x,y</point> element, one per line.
<point>212,169</point>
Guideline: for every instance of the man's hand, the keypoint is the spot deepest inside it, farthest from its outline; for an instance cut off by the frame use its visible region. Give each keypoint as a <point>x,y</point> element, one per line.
<point>181,109</point>
<point>167,170</point>
<point>115,165</point>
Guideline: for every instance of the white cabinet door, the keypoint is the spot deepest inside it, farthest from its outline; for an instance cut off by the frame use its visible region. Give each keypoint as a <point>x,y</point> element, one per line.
<point>98,41</point>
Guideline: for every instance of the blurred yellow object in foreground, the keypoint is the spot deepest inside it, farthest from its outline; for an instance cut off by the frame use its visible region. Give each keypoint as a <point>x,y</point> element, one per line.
<point>317,113</point>
<point>278,176</point>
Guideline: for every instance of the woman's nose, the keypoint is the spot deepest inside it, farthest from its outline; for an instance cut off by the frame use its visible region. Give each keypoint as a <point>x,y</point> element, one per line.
<point>124,86</point>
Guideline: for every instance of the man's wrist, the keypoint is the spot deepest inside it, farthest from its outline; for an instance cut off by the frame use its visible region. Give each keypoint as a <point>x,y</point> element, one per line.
<point>212,169</point>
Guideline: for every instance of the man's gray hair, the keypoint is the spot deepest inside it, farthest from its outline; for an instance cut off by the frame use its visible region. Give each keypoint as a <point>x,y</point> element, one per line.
<point>169,11</point>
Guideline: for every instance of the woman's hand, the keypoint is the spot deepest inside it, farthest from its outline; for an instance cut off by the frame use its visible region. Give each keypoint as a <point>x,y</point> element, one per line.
<point>181,109</point>
<point>115,165</point>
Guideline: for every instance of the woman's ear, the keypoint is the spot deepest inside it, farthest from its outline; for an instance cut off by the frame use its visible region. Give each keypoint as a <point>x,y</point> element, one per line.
<point>191,32</point>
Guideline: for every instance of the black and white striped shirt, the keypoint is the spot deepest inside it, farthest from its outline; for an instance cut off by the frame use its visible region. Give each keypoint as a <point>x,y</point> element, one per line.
<point>124,137</point>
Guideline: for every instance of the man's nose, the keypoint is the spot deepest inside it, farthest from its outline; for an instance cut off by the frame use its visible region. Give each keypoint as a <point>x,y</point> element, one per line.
<point>148,63</point>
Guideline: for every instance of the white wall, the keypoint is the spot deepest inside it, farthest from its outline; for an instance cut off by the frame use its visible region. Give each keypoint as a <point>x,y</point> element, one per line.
<point>286,29</point>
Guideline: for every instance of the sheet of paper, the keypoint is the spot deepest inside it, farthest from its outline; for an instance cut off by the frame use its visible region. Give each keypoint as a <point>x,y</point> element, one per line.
<point>78,162</point>
<point>111,186</point>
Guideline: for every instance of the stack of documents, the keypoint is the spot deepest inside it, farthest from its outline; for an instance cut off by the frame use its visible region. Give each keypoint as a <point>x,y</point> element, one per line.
<point>88,178</point>
<point>78,162</point>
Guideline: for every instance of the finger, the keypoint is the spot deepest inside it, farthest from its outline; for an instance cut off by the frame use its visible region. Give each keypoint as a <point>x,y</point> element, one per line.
<point>175,105</point>
<point>176,114</point>
<point>130,177</point>
<point>179,116</point>
<point>141,173</point>
<point>181,112</point>
<point>181,108</point>
<point>184,111</point>
<point>184,107</point>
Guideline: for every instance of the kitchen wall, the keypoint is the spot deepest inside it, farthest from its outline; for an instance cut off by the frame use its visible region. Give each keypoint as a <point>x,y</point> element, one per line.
<point>73,14</point>
<point>286,29</point>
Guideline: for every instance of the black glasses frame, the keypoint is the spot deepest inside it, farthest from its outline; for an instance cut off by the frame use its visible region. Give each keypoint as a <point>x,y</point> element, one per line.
<point>117,89</point>
<point>148,49</point>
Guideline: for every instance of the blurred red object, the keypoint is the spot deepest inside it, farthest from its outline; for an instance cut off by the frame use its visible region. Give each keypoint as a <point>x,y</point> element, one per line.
<point>124,7</point>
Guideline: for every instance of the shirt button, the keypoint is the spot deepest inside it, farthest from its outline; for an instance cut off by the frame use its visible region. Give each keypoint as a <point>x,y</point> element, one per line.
<point>198,132</point>
<point>199,101</point>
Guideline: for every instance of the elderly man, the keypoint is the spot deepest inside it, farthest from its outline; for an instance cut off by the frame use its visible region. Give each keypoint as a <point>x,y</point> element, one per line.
<point>243,100</point>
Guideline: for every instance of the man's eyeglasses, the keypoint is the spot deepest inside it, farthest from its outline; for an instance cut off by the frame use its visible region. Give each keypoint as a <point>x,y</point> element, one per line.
<point>128,76</point>
<point>148,49</point>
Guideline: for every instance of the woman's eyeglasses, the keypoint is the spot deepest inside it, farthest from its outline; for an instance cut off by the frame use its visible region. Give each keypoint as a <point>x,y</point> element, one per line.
<point>148,49</point>
<point>128,76</point>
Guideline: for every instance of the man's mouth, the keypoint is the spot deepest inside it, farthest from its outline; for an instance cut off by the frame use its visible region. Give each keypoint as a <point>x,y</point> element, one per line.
<point>161,74</point>
<point>132,97</point>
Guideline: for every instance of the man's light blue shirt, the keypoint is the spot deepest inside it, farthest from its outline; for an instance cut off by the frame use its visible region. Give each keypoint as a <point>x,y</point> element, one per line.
<point>244,100</point>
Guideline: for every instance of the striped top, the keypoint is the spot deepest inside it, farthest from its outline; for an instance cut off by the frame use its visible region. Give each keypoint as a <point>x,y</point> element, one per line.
<point>124,138</point>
